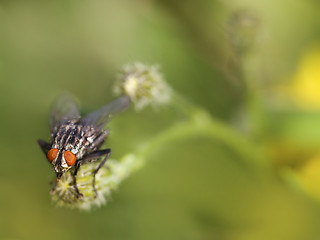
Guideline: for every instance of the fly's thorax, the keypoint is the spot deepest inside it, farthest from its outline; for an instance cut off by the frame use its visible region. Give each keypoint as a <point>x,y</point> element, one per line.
<point>71,137</point>
<point>72,142</point>
<point>78,138</point>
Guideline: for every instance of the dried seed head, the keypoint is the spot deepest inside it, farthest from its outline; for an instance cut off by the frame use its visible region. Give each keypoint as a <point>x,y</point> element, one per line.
<point>107,180</point>
<point>144,85</point>
<point>244,30</point>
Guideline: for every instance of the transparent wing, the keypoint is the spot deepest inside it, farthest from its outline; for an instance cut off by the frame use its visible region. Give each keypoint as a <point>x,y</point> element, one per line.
<point>63,109</point>
<point>102,116</point>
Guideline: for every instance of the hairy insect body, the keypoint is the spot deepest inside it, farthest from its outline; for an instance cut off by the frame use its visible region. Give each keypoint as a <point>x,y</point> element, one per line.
<point>70,137</point>
<point>76,140</point>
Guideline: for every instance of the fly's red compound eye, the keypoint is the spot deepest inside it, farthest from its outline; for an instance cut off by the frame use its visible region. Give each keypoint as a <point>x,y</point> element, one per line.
<point>52,154</point>
<point>70,158</point>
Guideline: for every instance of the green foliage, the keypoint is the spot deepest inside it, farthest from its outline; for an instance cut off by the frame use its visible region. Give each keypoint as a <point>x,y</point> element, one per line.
<point>222,161</point>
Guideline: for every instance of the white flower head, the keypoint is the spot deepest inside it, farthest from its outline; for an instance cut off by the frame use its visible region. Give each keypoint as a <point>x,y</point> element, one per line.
<point>144,85</point>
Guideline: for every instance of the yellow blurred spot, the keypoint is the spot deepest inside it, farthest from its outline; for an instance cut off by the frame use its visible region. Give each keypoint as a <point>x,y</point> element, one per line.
<point>310,178</point>
<point>306,86</point>
<point>131,86</point>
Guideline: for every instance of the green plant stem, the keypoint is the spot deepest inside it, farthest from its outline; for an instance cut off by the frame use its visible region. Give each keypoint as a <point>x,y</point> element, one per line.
<point>200,123</point>
<point>210,128</point>
<point>254,105</point>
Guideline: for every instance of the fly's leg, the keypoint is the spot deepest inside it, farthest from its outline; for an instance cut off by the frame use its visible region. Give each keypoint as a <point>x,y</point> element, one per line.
<point>95,155</point>
<point>75,179</point>
<point>45,147</point>
<point>90,158</point>
<point>96,171</point>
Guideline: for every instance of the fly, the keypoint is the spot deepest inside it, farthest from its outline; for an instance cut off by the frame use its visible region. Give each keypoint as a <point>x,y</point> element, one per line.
<point>76,140</point>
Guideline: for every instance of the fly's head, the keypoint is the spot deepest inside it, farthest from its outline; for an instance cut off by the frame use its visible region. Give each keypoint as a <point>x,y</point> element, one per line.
<point>61,160</point>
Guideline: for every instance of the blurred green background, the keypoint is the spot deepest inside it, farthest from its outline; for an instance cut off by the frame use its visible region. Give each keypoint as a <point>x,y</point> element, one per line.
<point>251,64</point>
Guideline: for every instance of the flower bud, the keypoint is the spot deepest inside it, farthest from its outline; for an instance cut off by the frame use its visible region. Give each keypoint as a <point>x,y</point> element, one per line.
<point>107,179</point>
<point>144,85</point>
